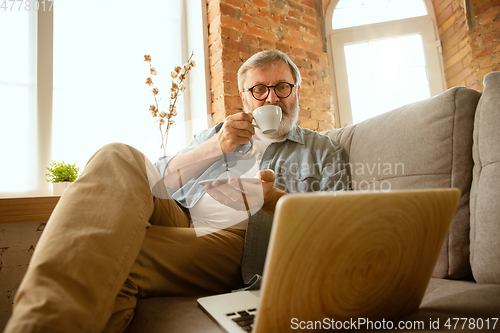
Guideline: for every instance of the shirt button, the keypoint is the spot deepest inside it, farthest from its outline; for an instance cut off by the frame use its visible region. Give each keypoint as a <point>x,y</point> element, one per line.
<point>241,152</point>
<point>224,165</point>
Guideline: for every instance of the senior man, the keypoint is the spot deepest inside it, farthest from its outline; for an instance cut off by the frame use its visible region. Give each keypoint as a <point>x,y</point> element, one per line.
<point>125,230</point>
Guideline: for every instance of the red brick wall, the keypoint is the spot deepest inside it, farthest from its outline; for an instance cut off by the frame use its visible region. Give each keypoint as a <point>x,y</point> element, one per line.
<point>485,39</point>
<point>471,48</point>
<point>240,28</point>
<point>454,34</point>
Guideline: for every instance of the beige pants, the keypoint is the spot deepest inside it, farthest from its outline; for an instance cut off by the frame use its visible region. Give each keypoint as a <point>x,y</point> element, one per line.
<point>108,242</point>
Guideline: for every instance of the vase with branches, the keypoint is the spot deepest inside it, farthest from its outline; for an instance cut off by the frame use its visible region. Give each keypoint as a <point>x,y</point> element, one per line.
<point>178,75</point>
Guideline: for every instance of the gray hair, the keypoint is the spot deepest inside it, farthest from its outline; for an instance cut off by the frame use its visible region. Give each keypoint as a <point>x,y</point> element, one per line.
<point>264,59</point>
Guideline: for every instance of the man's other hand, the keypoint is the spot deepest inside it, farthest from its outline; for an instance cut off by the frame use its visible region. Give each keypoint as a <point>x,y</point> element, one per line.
<point>237,194</point>
<point>241,195</point>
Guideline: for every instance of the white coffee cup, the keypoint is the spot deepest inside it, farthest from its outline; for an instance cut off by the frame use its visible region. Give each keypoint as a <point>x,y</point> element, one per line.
<point>268,118</point>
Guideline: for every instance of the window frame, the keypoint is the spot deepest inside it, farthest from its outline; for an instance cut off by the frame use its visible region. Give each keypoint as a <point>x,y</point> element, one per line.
<point>336,39</point>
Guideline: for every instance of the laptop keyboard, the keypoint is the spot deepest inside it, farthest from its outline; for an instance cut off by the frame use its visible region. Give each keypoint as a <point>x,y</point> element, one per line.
<point>244,318</point>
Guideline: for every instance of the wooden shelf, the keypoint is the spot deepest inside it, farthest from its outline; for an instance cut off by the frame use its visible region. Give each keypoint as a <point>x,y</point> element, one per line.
<point>32,209</point>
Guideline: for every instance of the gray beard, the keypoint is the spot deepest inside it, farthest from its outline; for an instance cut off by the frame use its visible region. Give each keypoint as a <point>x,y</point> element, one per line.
<point>289,118</point>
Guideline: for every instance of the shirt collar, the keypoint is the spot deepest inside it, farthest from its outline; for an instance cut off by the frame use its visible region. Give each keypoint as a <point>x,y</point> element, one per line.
<point>296,135</point>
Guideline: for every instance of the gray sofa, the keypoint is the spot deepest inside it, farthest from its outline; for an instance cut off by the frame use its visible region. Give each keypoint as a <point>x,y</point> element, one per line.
<point>450,140</point>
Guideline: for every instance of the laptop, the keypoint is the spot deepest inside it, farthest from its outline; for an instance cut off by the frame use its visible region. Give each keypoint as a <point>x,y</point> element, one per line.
<point>340,260</point>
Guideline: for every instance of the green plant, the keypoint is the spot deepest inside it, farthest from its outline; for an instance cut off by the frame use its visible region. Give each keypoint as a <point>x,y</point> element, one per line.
<point>62,172</point>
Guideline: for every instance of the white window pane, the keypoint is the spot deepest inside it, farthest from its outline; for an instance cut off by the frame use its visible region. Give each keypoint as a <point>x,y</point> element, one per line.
<point>17,138</point>
<point>357,58</point>
<point>362,96</point>
<point>16,45</point>
<point>349,3</point>
<point>387,85</point>
<point>352,13</point>
<point>17,101</point>
<point>416,83</point>
<point>394,74</point>
<point>411,51</point>
<point>383,54</point>
<point>100,95</point>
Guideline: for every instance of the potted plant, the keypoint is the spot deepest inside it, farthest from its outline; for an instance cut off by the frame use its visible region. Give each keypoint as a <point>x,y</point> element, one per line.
<point>61,175</point>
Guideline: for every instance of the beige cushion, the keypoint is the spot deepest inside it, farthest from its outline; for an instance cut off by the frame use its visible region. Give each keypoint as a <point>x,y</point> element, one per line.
<point>446,300</point>
<point>443,299</point>
<point>485,192</point>
<point>427,144</point>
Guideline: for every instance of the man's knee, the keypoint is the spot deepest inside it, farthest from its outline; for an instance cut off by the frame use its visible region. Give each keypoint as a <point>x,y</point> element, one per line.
<point>118,149</point>
<point>116,154</point>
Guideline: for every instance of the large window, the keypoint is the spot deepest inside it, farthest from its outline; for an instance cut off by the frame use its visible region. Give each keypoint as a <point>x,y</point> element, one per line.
<point>384,54</point>
<point>18,117</point>
<point>93,89</point>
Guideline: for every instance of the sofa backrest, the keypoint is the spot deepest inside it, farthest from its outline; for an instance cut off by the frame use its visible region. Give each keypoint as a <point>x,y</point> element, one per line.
<point>427,144</point>
<point>485,191</point>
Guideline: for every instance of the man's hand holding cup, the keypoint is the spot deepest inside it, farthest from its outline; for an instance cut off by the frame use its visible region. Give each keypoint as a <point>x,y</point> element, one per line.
<point>237,130</point>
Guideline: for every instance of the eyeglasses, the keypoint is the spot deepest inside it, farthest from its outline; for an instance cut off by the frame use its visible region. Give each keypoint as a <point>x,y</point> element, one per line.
<point>261,91</point>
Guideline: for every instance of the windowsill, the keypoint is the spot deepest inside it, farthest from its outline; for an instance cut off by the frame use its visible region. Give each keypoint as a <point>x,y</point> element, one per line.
<point>30,209</point>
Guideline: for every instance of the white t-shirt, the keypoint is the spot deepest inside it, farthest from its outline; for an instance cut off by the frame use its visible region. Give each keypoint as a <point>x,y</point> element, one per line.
<point>209,213</point>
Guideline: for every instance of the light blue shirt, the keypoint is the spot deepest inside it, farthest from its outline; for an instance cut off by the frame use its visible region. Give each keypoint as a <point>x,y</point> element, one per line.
<point>304,161</point>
